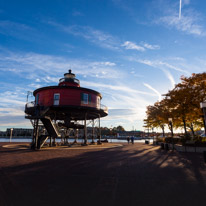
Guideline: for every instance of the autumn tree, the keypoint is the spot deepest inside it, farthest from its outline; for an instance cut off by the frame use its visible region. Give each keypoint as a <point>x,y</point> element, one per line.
<point>182,104</point>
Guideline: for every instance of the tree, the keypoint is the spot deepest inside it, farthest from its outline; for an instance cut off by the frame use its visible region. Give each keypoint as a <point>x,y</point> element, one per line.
<point>120,128</point>
<point>182,104</point>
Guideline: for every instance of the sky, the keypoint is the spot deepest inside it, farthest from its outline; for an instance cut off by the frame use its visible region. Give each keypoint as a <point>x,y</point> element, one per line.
<point>131,51</point>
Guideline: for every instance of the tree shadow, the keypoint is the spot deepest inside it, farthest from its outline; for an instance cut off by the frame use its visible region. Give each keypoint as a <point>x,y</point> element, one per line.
<point>130,175</point>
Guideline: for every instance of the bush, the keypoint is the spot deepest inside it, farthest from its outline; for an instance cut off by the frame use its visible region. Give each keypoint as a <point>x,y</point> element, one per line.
<point>170,140</point>
<point>158,139</point>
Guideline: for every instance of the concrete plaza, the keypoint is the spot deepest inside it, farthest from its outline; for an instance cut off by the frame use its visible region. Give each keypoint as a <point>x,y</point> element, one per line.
<point>130,175</point>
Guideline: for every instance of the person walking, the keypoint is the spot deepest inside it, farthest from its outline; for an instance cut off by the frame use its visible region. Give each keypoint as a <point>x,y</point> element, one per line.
<point>132,140</point>
<point>128,139</point>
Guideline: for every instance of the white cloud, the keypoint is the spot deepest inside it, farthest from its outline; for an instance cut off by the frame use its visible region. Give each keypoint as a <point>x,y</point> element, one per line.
<point>95,36</point>
<point>152,47</point>
<point>104,63</point>
<point>185,2</point>
<point>101,38</point>
<point>128,45</point>
<point>186,24</point>
<point>170,77</point>
<point>132,46</point>
<point>19,30</point>
<point>121,88</point>
<point>182,19</point>
<point>154,90</point>
<point>47,68</point>
<point>160,64</point>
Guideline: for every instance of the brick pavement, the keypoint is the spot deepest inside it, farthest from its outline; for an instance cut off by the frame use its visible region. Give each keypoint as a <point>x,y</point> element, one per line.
<point>131,175</point>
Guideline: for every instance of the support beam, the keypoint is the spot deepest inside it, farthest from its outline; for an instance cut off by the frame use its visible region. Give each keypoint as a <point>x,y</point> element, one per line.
<point>85,129</point>
<point>36,133</point>
<point>50,144</point>
<point>75,136</point>
<point>99,141</point>
<point>93,132</point>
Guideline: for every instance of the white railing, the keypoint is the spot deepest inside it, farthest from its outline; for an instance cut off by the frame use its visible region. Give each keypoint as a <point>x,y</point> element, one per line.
<point>100,107</point>
<point>94,105</point>
<point>30,104</point>
<point>104,108</point>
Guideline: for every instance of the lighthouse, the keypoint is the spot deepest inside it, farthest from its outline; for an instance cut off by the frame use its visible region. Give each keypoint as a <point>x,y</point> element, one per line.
<point>62,107</point>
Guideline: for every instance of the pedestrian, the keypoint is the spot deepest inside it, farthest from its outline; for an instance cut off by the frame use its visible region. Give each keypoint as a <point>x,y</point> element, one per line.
<point>132,140</point>
<point>128,139</point>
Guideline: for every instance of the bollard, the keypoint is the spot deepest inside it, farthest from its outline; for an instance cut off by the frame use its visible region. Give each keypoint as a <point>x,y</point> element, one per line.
<point>204,155</point>
<point>166,147</point>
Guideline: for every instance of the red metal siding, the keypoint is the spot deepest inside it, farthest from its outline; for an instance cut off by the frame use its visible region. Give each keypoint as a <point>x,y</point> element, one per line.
<point>67,97</point>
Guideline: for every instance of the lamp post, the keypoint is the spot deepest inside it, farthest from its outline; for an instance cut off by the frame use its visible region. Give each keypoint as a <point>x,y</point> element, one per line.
<point>171,125</point>
<point>11,130</point>
<point>27,96</point>
<point>153,134</point>
<point>203,107</point>
<point>111,133</point>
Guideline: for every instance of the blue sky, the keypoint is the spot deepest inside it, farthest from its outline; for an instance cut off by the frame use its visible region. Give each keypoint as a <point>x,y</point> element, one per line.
<point>131,51</point>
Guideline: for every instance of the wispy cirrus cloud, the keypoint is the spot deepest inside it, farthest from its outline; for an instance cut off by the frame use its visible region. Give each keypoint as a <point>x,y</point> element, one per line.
<point>128,45</point>
<point>132,46</point>
<point>18,30</point>
<point>103,39</point>
<point>186,24</point>
<point>149,46</point>
<point>154,90</point>
<point>95,36</point>
<point>186,20</point>
<point>161,64</point>
<point>121,88</point>
<point>29,64</point>
<point>170,77</point>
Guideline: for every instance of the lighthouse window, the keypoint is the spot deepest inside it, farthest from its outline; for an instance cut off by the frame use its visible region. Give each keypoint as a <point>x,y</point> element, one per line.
<point>90,98</point>
<point>37,99</point>
<point>84,98</point>
<point>56,99</point>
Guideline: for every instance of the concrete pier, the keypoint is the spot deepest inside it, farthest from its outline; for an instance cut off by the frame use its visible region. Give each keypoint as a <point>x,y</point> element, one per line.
<point>131,175</point>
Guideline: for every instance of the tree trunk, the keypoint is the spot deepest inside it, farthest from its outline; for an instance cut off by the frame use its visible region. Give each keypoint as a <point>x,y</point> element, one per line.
<point>204,123</point>
<point>192,129</point>
<point>185,128</point>
<point>163,131</point>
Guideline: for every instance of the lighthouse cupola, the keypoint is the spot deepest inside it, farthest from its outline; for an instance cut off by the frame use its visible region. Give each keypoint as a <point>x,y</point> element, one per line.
<point>69,80</point>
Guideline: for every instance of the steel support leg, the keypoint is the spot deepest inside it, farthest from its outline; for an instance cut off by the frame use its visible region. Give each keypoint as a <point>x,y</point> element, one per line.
<point>85,129</point>
<point>36,133</point>
<point>99,141</point>
<point>92,132</point>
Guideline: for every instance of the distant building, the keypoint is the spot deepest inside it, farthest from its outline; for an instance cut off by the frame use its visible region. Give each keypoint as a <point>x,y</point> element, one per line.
<point>20,132</point>
<point>2,133</point>
<point>129,133</point>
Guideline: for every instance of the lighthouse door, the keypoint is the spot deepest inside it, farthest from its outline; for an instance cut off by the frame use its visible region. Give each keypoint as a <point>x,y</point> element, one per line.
<point>56,98</point>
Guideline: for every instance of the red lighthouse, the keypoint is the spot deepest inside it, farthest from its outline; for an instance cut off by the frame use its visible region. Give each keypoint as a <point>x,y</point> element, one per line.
<point>61,107</point>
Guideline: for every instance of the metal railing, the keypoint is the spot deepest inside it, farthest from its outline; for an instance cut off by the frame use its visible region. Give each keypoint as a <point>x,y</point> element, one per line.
<point>30,104</point>
<point>69,80</point>
<point>94,105</point>
<point>104,108</point>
